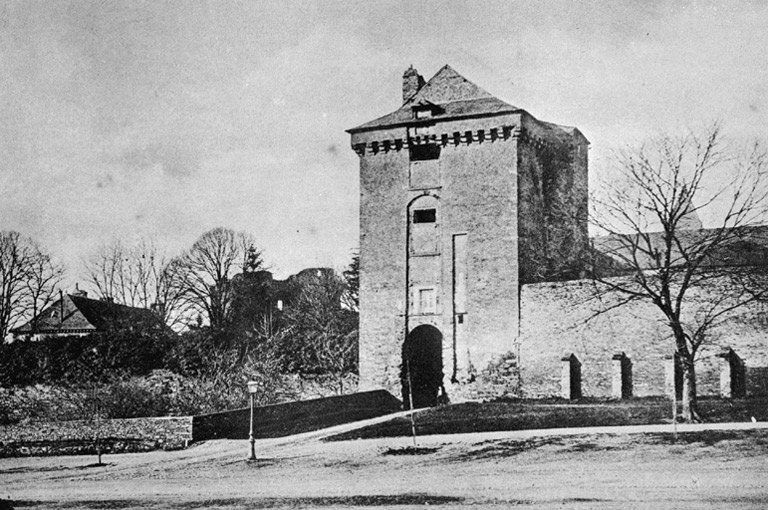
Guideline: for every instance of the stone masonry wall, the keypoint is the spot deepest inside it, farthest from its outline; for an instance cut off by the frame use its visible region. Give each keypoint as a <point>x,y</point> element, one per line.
<point>559,319</point>
<point>552,202</point>
<point>383,179</point>
<point>79,437</point>
<point>476,195</point>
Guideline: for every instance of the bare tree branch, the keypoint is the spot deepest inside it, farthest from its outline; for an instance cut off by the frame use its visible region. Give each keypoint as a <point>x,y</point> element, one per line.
<point>655,248</point>
<point>28,280</point>
<point>201,277</point>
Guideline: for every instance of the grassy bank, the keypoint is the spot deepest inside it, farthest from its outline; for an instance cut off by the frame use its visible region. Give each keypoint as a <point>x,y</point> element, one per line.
<point>526,415</point>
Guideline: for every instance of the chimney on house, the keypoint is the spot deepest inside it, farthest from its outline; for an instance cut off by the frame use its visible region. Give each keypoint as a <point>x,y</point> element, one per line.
<point>78,292</point>
<point>412,82</point>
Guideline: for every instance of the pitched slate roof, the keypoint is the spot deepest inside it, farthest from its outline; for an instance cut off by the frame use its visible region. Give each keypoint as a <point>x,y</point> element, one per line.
<point>743,247</point>
<point>455,95</point>
<point>104,314</point>
<point>76,313</point>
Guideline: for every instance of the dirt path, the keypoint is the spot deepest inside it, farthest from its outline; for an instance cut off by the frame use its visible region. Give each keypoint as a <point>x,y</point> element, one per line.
<point>714,469</point>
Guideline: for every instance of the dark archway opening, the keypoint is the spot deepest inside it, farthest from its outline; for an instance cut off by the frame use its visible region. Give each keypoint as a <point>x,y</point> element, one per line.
<point>421,373</point>
<point>622,376</point>
<point>575,379</point>
<point>626,378</point>
<point>738,376</point>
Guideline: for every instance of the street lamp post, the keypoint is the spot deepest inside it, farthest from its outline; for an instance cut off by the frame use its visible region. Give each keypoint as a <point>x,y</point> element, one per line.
<point>253,387</point>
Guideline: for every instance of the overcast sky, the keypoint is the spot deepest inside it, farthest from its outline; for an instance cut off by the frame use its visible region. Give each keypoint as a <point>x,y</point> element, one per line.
<point>130,119</point>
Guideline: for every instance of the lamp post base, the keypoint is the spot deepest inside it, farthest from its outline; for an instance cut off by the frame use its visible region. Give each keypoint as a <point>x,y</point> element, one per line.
<point>252,455</point>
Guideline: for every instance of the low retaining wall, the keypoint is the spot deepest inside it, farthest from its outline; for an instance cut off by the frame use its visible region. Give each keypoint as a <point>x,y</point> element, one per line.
<point>88,436</point>
<point>295,417</point>
<point>85,437</point>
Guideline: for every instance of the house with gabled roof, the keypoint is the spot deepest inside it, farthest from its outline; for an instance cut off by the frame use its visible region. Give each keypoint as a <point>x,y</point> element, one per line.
<point>77,315</point>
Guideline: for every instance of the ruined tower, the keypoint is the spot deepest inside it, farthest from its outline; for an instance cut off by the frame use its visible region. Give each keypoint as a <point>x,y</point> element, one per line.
<point>464,198</point>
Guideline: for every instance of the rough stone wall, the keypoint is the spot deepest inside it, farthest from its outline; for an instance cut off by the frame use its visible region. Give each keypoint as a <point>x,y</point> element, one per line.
<point>561,318</point>
<point>477,195</point>
<point>78,437</point>
<point>383,202</point>
<point>553,201</point>
<point>480,199</point>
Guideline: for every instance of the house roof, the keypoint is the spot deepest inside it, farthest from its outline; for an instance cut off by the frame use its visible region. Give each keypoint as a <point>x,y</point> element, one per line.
<point>76,313</point>
<point>742,247</point>
<point>454,94</point>
<point>451,96</point>
<point>103,314</point>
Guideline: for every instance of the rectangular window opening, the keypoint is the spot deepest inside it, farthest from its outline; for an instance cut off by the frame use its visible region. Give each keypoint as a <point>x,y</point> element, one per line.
<point>427,301</point>
<point>425,216</point>
<point>424,152</point>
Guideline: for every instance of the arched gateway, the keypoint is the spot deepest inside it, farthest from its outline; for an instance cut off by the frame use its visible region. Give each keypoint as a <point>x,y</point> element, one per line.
<point>422,367</point>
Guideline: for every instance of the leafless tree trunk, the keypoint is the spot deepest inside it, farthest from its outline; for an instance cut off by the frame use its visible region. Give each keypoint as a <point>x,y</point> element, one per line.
<point>45,276</point>
<point>104,271</point>
<point>649,208</point>
<point>201,277</point>
<point>28,280</point>
<point>138,276</point>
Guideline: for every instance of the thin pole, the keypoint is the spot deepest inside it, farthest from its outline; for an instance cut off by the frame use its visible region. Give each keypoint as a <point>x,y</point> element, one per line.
<point>252,455</point>
<point>674,410</point>
<point>410,400</point>
<point>98,425</point>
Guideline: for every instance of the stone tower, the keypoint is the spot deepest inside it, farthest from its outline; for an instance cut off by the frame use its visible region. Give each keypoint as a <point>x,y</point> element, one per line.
<point>464,198</point>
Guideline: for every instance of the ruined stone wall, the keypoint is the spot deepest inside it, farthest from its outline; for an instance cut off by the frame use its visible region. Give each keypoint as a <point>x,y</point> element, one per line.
<point>563,318</point>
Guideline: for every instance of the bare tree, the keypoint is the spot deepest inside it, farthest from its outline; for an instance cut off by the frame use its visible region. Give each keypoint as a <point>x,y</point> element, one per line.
<point>104,270</point>
<point>43,281</point>
<point>201,277</point>
<point>650,208</point>
<point>138,275</point>
<point>28,279</point>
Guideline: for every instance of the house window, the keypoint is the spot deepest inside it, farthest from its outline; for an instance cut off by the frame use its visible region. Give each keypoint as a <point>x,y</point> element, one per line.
<point>280,304</point>
<point>427,301</point>
<point>425,215</point>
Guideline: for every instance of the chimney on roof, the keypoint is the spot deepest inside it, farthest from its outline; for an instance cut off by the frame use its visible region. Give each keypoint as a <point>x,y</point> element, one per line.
<point>412,82</point>
<point>78,292</point>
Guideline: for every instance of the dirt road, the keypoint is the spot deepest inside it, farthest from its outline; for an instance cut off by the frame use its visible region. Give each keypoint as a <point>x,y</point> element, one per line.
<point>714,469</point>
